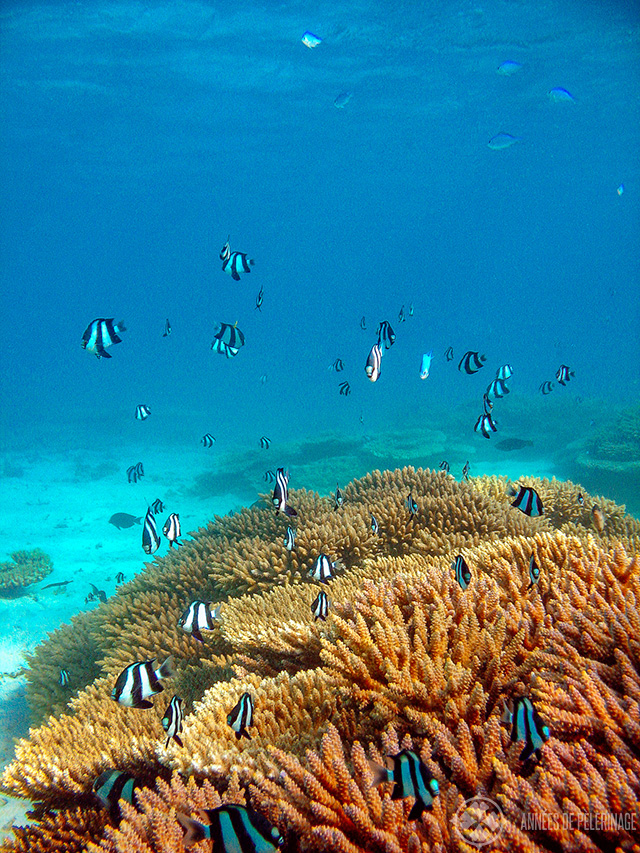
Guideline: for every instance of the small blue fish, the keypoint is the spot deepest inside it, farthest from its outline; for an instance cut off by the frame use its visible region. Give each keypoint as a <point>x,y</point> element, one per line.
<point>620,189</point>
<point>527,500</point>
<point>509,67</point>
<point>310,40</point>
<point>411,778</point>
<point>561,96</point>
<point>501,141</point>
<point>426,364</point>
<point>462,571</point>
<point>526,725</point>
<point>342,100</point>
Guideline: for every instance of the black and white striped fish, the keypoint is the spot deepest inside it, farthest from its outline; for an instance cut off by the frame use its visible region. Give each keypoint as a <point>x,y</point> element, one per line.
<point>100,334</point>
<point>504,372</point>
<point>385,334</point>
<point>234,263</point>
<point>172,530</point>
<point>345,389</point>
<point>564,374</point>
<point>337,365</point>
<point>496,390</point>
<point>265,442</point>
<point>233,829</point>
<point>444,466</point>
<point>527,500</point>
<point>534,572</point>
<point>142,412</point>
<point>374,363</point>
<point>157,506</point>
<point>167,328</point>
<point>401,315</point>
<point>140,680</point>
<point>411,778</point>
<point>260,299</point>
<point>411,505</point>
<point>111,786</point>
<point>227,340</point>
<point>199,617</point>
<point>449,354</point>
<point>135,472</point>
<point>150,537</point>
<point>281,493</point>
<point>471,362</point>
<point>487,404</point>
<point>320,606</point>
<point>290,539</point>
<point>486,425</point>
<point>338,499</point>
<point>208,440</point>
<point>120,578</point>
<point>526,725</point>
<point>363,324</point>
<point>241,716</point>
<point>269,476</point>
<point>64,678</point>
<point>375,527</point>
<point>322,569</point>
<point>546,387</point>
<point>461,571</point>
<point>465,470</point>
<point>172,720</point>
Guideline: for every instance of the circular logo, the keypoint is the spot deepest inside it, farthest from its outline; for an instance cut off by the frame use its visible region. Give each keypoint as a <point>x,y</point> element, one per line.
<point>479,821</point>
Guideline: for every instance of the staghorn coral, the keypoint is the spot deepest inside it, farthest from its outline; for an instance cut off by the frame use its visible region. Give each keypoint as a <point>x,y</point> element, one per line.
<point>25,568</point>
<point>406,658</point>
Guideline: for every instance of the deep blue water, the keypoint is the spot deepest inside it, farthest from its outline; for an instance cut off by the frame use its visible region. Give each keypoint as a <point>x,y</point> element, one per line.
<point>137,136</point>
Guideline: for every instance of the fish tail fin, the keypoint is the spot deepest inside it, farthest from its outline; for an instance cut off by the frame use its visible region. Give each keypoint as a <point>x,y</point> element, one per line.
<point>178,740</point>
<point>120,326</point>
<point>168,668</point>
<point>290,511</point>
<point>252,262</point>
<point>194,830</point>
<point>507,716</point>
<point>380,773</point>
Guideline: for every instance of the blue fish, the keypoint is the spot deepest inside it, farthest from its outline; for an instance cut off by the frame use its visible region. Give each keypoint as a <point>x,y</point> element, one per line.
<point>527,500</point>
<point>561,96</point>
<point>509,67</point>
<point>462,571</point>
<point>411,778</point>
<point>526,725</point>
<point>232,829</point>
<point>501,141</point>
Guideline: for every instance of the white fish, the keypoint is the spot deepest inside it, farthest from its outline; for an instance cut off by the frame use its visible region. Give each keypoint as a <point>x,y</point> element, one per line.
<point>509,67</point>
<point>502,140</point>
<point>561,96</point>
<point>310,40</point>
<point>426,364</point>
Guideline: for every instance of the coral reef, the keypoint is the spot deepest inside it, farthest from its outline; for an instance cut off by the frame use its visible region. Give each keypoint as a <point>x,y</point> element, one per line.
<point>27,567</point>
<point>405,659</point>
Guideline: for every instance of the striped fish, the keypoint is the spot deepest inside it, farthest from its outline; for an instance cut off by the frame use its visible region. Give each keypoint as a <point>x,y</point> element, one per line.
<point>344,389</point>
<point>449,354</point>
<point>140,680</point>
<point>167,328</point>
<point>241,716</point>
<point>112,786</point>
<point>411,505</point>
<point>172,720</point>
<point>338,499</point>
<point>497,389</point>
<point>281,493</point>
<point>528,501</point>
<point>199,617</point>
<point>142,412</point>
<point>265,443</point>
<point>172,529</point>
<point>232,829</point>
<point>374,363</point>
<point>135,472</point>
<point>385,334</point>
<point>234,263</point>
<point>320,606</point>
<point>322,569</point>
<point>227,340</point>
<point>260,299</point>
<point>486,425</point>
<point>207,440</point>
<point>375,527</point>
<point>461,571</point>
<point>150,538</point>
<point>100,334</point>
<point>526,725</point>
<point>411,778</point>
<point>465,470</point>
<point>157,506</point>
<point>564,374</point>
<point>64,677</point>
<point>444,466</point>
<point>504,372</point>
<point>534,572</point>
<point>471,362</point>
<point>546,387</point>
<point>290,539</point>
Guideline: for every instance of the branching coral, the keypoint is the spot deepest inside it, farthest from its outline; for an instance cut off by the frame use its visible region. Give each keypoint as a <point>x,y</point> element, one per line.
<point>25,568</point>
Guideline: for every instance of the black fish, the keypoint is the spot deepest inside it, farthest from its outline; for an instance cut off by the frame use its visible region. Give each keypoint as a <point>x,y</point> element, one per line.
<point>120,578</point>
<point>449,354</point>
<point>139,680</point>
<point>322,569</point>
<point>100,334</point>
<point>564,374</point>
<point>232,828</point>
<point>142,412</point>
<point>528,501</point>
<point>241,716</point>
<point>172,720</point>
<point>112,786</point>
<point>526,725</point>
<point>514,444</point>
<point>199,617</point>
<point>227,340</point>
<point>462,571</point>
<point>385,334</point>
<point>320,606</point>
<point>157,506</point>
<point>471,362</point>
<point>135,472</point>
<point>167,328</point>
<point>265,442</point>
<point>150,538</point>
<point>345,389</point>
<point>281,493</point>
<point>234,263</point>
<point>121,520</point>
<point>208,440</point>
<point>444,466</point>
<point>411,778</point>
<point>259,299</point>
<point>546,387</point>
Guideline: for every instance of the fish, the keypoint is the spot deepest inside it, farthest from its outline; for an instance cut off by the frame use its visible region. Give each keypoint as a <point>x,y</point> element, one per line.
<point>620,189</point>
<point>234,263</point>
<point>444,466</point>
<point>322,569</point>
<point>426,364</point>
<point>98,594</point>
<point>485,425</point>
<point>461,571</point>
<point>401,315</point>
<point>448,354</point>
<point>172,530</point>
<point>363,324</point>
<point>513,444</point>
<point>207,440</point>
<point>320,606</point>
<point>487,404</point>
<point>504,372</point>
<point>337,365</point>
<point>263,379</point>
<point>265,443</point>
<point>310,40</point>
<point>471,362</point>
<point>167,328</point>
<point>281,493</point>
<point>534,572</point>
<point>564,374</point>
<point>561,96</point>
<point>385,334</point>
<point>528,501</point>
<point>345,389</point>
<point>411,778</point>
<point>342,100</point>
<point>496,390</point>
<point>260,299</point>
<point>411,309</point>
<point>501,141</point>
<point>64,677</point>
<point>411,505</point>
<point>135,472</point>
<point>598,518</point>
<point>526,725</point>
<point>199,617</point>
<point>142,412</point>
<point>122,520</point>
<point>233,829</point>
<point>111,786</point>
<point>465,470</point>
<point>375,527</point>
<point>56,584</point>
<point>580,499</point>
<point>228,339</point>
<point>100,334</point>
<point>546,387</point>
<point>241,716</point>
<point>338,499</point>
<point>140,680</point>
<point>509,67</point>
<point>172,721</point>
<point>157,506</point>
<point>269,476</point>
<point>290,539</point>
<point>150,538</point>
<point>120,578</point>
<point>374,363</point>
